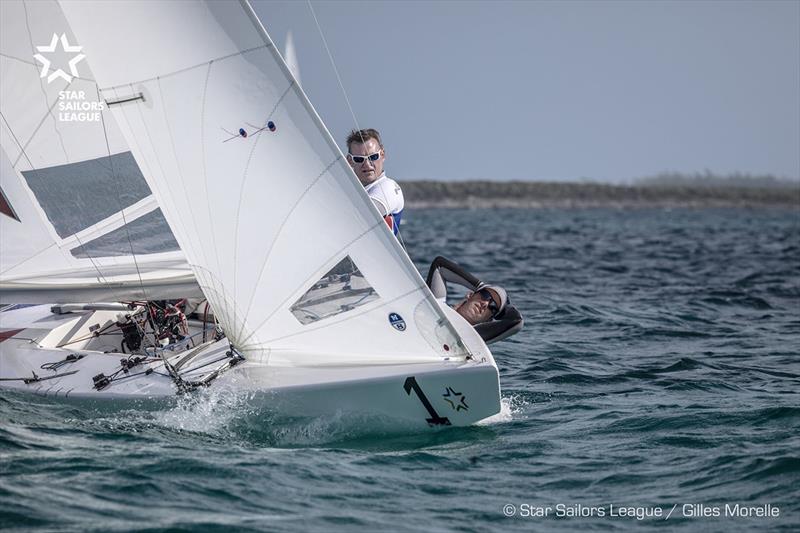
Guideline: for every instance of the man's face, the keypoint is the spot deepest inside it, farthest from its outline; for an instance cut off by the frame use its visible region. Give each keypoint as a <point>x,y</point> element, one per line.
<point>368,170</point>
<point>475,308</point>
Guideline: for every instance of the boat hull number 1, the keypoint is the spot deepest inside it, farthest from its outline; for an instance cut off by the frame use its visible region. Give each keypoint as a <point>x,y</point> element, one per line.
<point>434,420</point>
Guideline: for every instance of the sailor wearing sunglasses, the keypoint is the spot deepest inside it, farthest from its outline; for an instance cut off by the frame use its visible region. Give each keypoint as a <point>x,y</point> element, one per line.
<point>366,156</point>
<point>485,306</point>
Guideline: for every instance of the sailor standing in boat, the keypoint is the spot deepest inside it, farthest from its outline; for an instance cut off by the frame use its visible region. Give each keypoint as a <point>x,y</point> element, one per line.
<point>485,306</point>
<point>366,156</point>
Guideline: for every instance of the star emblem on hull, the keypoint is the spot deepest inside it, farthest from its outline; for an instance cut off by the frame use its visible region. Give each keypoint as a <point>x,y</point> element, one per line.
<point>456,400</point>
<point>51,48</point>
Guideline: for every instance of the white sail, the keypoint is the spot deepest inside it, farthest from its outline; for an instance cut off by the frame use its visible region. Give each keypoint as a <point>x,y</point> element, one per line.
<point>282,238</point>
<point>79,222</point>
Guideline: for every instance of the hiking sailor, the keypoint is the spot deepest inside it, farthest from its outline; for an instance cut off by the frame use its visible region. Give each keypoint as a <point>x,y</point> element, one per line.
<point>485,306</point>
<point>366,156</point>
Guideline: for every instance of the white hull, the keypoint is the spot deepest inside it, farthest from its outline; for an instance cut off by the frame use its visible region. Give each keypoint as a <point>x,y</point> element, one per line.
<point>454,393</point>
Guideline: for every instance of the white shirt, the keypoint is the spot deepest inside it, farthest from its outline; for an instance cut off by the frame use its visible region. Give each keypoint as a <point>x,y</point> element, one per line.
<point>386,195</point>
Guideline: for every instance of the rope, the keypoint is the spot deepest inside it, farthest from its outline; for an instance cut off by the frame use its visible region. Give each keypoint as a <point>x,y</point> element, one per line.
<point>344,93</point>
<point>71,358</point>
<point>119,199</point>
<point>333,64</point>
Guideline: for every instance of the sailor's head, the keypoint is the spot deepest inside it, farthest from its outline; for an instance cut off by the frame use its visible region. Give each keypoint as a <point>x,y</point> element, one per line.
<point>366,154</point>
<point>486,303</point>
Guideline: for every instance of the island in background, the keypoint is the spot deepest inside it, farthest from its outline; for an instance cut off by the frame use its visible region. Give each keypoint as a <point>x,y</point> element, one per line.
<point>663,190</point>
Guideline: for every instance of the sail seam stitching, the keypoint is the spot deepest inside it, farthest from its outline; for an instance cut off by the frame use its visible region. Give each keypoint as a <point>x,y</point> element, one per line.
<point>239,208</point>
<point>272,245</point>
<point>36,130</point>
<point>185,69</point>
<point>13,136</point>
<point>330,259</point>
<point>175,156</point>
<point>15,58</point>
<point>44,93</point>
<point>178,167</point>
<point>226,312</point>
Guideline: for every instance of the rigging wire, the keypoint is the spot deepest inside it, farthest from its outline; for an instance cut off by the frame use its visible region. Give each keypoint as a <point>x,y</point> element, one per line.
<point>344,92</point>
<point>119,198</point>
<point>14,136</point>
<point>355,121</point>
<point>44,93</point>
<point>333,64</point>
<point>23,153</point>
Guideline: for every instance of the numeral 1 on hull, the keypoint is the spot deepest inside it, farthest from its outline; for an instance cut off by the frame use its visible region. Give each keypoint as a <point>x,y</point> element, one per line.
<point>435,419</point>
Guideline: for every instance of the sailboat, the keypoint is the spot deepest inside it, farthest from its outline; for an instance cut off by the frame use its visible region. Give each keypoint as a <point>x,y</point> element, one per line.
<point>200,169</point>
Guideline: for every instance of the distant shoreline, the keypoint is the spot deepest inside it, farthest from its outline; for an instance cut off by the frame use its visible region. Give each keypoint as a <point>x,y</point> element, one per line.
<point>518,194</point>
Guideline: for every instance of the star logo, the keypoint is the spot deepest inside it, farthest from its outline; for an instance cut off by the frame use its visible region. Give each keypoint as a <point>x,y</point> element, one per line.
<point>456,400</point>
<point>46,63</point>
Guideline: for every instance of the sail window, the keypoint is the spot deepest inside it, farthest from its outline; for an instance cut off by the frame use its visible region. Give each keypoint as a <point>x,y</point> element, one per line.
<point>78,195</point>
<point>341,289</point>
<point>148,234</point>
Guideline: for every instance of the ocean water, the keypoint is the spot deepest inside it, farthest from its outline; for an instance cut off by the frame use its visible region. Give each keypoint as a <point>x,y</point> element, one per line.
<point>657,372</point>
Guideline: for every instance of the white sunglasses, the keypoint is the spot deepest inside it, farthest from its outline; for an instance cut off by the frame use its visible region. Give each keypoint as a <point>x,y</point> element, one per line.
<point>362,158</point>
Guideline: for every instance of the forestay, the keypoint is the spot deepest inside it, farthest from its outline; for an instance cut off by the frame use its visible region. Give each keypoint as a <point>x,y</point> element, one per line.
<point>297,263</point>
<point>77,219</point>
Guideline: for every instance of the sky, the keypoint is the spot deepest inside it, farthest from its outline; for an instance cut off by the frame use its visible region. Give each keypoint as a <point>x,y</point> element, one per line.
<point>535,90</point>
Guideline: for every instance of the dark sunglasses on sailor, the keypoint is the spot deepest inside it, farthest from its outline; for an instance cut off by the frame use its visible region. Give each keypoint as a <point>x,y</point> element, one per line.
<point>487,297</point>
<point>360,158</point>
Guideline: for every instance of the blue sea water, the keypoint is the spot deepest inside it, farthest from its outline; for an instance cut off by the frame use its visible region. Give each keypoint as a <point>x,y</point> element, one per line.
<point>658,369</point>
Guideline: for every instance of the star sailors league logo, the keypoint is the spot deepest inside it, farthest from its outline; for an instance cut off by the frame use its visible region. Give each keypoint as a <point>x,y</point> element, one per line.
<point>456,400</point>
<point>52,74</point>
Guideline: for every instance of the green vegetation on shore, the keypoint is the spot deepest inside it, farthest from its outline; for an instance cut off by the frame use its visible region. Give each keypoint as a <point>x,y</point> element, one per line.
<point>708,179</point>
<point>665,190</point>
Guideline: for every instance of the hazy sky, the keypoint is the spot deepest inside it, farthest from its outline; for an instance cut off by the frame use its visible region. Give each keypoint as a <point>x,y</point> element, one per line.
<point>557,90</point>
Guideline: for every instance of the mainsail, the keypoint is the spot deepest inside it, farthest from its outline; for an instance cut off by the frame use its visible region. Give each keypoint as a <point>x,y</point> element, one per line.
<point>79,222</point>
<point>283,240</point>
